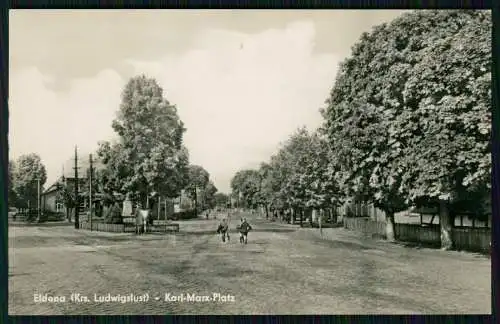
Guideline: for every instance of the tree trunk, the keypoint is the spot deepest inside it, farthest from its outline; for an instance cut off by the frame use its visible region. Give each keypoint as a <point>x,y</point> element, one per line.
<point>445,225</point>
<point>389,226</point>
<point>267,211</point>
<point>69,211</point>
<point>301,215</point>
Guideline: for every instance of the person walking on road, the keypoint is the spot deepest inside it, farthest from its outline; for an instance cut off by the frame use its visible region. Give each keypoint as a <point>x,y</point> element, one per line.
<point>223,229</point>
<point>244,229</point>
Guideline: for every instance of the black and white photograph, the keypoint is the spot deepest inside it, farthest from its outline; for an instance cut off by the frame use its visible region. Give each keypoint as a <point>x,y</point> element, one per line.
<point>249,162</point>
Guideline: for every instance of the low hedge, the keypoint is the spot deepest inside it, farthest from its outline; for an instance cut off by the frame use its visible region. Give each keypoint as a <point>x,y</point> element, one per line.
<point>113,215</point>
<point>50,216</point>
<point>186,214</point>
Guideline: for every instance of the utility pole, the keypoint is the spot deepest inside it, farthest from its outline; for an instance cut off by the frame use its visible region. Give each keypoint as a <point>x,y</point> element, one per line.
<point>77,202</point>
<point>38,199</point>
<point>90,191</point>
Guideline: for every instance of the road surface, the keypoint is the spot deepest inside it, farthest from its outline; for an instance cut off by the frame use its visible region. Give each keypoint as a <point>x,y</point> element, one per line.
<point>282,270</point>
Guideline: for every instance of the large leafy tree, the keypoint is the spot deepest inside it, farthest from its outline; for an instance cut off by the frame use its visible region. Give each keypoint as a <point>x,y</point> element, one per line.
<point>275,183</point>
<point>149,156</point>
<point>209,200</point>
<point>66,194</point>
<point>298,182</point>
<point>245,185</point>
<point>449,94</point>
<point>198,179</point>
<point>306,175</point>
<point>221,199</point>
<point>28,173</point>
<point>237,186</point>
<point>12,195</point>
<point>321,169</point>
<point>264,195</point>
<point>409,104</point>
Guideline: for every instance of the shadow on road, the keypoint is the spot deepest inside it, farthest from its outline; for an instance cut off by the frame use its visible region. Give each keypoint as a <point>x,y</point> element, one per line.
<point>275,230</point>
<point>19,274</point>
<point>48,224</point>
<point>341,244</point>
<point>260,230</point>
<point>417,246</point>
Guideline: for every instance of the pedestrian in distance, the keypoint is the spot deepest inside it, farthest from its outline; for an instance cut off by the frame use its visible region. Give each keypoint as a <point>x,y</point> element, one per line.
<point>238,228</point>
<point>223,229</point>
<point>244,228</point>
<point>139,220</point>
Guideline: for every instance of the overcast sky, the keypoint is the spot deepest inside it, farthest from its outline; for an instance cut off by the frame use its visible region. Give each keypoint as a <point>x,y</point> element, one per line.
<point>242,80</point>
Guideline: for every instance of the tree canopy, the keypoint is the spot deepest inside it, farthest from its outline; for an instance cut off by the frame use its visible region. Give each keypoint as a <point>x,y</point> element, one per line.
<point>221,199</point>
<point>28,170</point>
<point>208,195</point>
<point>12,195</point>
<point>298,175</point>
<point>245,184</point>
<point>149,155</point>
<point>198,178</point>
<point>408,115</point>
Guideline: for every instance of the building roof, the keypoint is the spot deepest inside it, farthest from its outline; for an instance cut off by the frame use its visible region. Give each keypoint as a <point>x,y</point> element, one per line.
<point>51,188</point>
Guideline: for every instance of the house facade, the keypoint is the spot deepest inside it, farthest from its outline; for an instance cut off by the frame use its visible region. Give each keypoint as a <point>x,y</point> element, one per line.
<point>51,200</point>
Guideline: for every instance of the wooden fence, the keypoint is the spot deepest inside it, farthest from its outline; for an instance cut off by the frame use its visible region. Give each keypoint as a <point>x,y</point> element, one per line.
<point>158,226</point>
<point>430,234</point>
<point>468,239</point>
<point>102,227</point>
<point>477,239</point>
<point>365,225</point>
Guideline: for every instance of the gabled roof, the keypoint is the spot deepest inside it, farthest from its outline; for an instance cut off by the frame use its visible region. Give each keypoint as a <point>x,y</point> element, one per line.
<point>51,188</point>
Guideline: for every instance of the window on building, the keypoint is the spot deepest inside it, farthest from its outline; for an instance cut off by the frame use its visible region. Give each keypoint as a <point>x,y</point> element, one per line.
<point>59,207</point>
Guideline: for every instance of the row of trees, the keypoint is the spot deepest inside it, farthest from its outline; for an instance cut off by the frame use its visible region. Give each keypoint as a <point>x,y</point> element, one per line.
<point>407,123</point>
<point>297,177</point>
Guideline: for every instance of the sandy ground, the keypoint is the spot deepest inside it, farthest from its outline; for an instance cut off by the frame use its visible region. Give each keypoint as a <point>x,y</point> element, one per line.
<point>282,270</point>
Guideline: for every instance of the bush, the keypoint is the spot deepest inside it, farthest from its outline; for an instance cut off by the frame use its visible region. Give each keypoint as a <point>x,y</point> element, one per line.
<point>30,215</point>
<point>186,214</point>
<point>113,215</point>
<point>51,216</point>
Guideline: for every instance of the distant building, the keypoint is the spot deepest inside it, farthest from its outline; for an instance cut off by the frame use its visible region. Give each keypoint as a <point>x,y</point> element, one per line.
<point>51,199</point>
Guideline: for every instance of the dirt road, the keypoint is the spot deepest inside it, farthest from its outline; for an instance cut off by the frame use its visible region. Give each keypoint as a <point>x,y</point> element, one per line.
<point>283,270</point>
